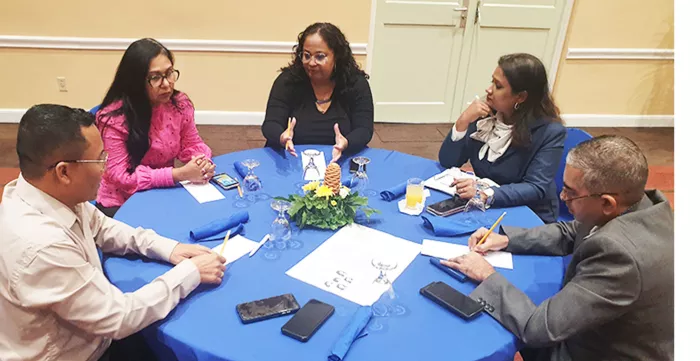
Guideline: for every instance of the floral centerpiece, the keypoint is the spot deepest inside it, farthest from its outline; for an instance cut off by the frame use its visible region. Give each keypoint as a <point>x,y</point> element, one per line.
<point>327,205</point>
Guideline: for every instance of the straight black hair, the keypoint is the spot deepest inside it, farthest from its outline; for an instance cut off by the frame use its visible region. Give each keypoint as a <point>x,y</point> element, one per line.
<point>129,86</point>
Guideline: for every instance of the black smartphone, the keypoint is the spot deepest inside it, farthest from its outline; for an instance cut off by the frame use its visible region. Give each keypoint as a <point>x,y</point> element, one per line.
<point>307,320</point>
<point>452,300</point>
<point>225,181</point>
<point>448,206</point>
<point>267,308</point>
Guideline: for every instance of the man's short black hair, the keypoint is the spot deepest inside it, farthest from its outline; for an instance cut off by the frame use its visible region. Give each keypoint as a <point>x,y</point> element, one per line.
<point>50,133</point>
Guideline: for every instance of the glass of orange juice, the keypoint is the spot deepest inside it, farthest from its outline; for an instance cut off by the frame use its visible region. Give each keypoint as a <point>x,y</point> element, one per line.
<point>414,193</point>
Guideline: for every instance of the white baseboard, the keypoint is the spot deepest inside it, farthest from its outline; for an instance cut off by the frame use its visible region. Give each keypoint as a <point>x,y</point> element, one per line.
<point>216,117</point>
<point>203,117</point>
<point>620,53</point>
<point>617,120</point>
<point>11,115</point>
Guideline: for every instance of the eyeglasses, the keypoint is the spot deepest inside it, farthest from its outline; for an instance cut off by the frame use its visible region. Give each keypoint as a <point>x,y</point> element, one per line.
<point>101,161</point>
<point>155,80</point>
<point>564,192</point>
<point>320,58</point>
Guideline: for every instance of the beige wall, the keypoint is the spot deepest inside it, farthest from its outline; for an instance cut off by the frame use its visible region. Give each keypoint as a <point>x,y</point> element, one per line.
<point>272,20</point>
<point>617,86</point>
<point>215,81</point>
<point>241,81</point>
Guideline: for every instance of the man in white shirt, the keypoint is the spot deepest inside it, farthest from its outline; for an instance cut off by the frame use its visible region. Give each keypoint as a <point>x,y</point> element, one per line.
<point>55,302</point>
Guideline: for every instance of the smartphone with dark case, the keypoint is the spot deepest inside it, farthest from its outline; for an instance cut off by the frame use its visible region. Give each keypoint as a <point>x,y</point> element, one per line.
<point>452,300</point>
<point>225,181</point>
<point>307,320</point>
<point>448,207</point>
<point>267,308</point>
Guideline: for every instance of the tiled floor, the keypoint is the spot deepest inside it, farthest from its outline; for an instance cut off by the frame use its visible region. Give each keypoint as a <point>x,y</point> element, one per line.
<point>418,139</point>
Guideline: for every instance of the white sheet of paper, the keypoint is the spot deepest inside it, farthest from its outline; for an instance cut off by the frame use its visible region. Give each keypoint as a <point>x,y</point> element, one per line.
<point>203,192</point>
<point>442,181</point>
<point>235,248</point>
<point>345,260</point>
<point>447,250</point>
<point>319,161</point>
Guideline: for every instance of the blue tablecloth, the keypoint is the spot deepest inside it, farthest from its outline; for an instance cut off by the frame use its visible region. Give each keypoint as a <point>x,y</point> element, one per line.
<point>205,325</point>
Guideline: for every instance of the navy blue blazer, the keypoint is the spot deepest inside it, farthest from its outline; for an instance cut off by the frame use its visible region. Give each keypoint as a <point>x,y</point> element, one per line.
<point>525,174</point>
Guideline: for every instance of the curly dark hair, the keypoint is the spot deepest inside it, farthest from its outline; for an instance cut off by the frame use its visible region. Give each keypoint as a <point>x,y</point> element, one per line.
<point>526,72</point>
<point>346,68</point>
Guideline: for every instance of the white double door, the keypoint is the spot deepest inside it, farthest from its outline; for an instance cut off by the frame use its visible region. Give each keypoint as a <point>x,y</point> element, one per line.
<point>429,58</point>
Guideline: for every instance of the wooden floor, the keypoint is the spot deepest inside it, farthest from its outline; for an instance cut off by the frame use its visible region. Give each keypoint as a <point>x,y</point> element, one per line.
<point>418,139</point>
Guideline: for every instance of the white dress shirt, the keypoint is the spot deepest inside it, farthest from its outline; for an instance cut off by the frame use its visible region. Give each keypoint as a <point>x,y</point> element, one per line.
<point>55,301</point>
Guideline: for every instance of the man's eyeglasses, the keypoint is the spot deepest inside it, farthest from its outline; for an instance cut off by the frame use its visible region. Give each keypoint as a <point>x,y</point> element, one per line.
<point>101,161</point>
<point>565,198</point>
<point>155,80</point>
<point>320,58</point>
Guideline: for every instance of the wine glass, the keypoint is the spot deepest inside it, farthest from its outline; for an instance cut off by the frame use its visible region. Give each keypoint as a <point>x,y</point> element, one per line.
<point>476,203</point>
<point>385,305</point>
<point>281,231</point>
<point>251,182</point>
<point>360,180</point>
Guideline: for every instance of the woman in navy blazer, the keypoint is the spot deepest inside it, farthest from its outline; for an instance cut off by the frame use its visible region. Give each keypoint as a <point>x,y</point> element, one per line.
<point>515,138</point>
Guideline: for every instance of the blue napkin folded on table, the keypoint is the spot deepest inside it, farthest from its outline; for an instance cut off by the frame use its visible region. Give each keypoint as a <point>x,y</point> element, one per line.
<point>351,332</point>
<point>445,228</point>
<point>240,169</point>
<point>218,228</point>
<point>393,192</point>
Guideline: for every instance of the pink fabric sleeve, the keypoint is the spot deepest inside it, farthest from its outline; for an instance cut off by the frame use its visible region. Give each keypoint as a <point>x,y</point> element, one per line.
<point>191,144</point>
<point>114,136</point>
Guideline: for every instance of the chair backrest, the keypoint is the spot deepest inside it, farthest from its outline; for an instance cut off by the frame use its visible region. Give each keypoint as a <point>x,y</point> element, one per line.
<point>574,136</point>
<point>95,109</point>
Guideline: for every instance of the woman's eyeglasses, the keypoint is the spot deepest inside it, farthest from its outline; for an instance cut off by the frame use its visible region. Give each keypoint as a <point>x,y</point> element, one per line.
<point>155,80</point>
<point>320,58</point>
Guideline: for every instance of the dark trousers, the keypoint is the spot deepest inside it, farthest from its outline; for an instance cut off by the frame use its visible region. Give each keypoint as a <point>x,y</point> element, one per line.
<point>132,348</point>
<point>536,354</point>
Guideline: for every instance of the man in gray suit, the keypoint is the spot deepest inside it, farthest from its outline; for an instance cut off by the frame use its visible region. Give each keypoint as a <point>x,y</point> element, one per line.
<point>617,298</point>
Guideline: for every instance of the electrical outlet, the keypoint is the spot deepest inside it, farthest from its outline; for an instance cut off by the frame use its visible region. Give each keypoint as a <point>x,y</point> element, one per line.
<point>62,87</point>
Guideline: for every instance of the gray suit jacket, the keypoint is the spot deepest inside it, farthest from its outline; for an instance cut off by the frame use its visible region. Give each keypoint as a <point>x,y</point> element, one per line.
<point>617,298</point>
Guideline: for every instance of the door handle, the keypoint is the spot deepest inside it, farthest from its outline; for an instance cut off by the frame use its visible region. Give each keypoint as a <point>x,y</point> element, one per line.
<point>463,17</point>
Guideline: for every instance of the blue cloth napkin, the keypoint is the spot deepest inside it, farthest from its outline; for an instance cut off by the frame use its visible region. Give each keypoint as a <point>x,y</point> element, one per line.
<point>393,192</point>
<point>445,228</point>
<point>347,182</point>
<point>218,228</point>
<point>350,333</point>
<point>240,169</point>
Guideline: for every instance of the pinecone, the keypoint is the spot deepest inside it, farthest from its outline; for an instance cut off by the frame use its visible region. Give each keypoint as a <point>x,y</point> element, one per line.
<point>332,177</point>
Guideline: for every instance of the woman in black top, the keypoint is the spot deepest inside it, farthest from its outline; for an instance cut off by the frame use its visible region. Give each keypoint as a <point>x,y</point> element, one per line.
<point>321,97</point>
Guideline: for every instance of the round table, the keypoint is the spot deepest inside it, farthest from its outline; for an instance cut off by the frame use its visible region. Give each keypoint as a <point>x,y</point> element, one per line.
<point>205,325</point>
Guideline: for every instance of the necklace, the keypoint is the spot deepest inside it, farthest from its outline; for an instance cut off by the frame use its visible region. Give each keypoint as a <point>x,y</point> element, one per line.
<point>323,101</point>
